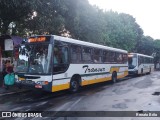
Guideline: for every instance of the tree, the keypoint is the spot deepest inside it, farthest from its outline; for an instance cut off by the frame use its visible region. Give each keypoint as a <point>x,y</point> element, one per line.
<point>156,52</point>
<point>84,21</point>
<point>123,31</point>
<point>13,11</point>
<point>78,19</point>
<point>146,45</point>
<point>48,18</point>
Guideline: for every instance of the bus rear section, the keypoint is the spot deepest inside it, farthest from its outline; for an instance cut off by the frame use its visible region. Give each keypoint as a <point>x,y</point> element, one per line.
<point>139,64</point>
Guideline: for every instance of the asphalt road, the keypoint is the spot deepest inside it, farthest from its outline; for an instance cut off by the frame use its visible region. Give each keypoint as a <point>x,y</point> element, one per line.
<point>133,94</point>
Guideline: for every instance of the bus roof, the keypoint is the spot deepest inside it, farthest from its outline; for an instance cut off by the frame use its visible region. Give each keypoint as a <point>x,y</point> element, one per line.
<point>141,55</point>
<point>70,40</point>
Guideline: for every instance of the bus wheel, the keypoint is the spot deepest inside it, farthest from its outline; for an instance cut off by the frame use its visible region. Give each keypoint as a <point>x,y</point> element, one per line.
<point>74,86</point>
<point>114,77</point>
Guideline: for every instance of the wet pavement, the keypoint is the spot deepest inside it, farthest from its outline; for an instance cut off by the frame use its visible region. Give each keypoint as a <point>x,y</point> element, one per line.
<point>11,90</point>
<point>134,94</point>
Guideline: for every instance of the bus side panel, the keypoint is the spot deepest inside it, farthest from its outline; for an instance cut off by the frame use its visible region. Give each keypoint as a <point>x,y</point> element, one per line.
<point>123,72</point>
<point>145,68</point>
<point>90,74</point>
<point>62,84</point>
<point>140,69</point>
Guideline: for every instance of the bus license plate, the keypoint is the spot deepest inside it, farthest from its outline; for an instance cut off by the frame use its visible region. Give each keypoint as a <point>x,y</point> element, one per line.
<point>38,86</point>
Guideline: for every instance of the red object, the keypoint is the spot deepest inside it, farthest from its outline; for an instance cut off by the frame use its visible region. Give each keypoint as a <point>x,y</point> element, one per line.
<point>9,69</point>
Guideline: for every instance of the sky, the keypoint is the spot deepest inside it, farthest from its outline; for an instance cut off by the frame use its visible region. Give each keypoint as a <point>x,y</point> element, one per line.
<point>146,12</point>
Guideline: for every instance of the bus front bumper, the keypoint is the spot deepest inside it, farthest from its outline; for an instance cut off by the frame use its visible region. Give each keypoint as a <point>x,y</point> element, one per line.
<point>133,72</point>
<point>32,85</point>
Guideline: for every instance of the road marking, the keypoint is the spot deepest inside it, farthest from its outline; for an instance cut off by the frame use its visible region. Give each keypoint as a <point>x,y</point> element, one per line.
<point>66,104</point>
<point>61,108</point>
<point>76,102</point>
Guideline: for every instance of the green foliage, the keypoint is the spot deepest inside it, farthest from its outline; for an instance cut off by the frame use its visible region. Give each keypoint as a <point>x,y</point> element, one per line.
<point>122,30</point>
<point>156,44</point>
<point>146,45</point>
<point>13,11</point>
<point>78,19</point>
<point>85,22</point>
<point>48,18</point>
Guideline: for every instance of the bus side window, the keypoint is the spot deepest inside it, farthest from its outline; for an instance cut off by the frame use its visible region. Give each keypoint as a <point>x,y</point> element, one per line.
<point>144,60</point>
<point>147,60</point>
<point>56,55</point>
<point>97,56</point>
<point>119,58</point>
<point>60,59</point>
<point>112,57</point>
<point>86,54</point>
<point>105,56</point>
<point>139,60</point>
<point>64,56</point>
<point>125,58</point>
<point>76,56</point>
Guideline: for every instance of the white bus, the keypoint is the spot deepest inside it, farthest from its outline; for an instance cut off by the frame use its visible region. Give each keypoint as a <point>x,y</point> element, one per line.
<point>54,63</point>
<point>140,64</point>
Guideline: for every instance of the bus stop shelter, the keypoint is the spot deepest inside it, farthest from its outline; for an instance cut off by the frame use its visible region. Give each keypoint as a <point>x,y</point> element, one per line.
<point>7,45</point>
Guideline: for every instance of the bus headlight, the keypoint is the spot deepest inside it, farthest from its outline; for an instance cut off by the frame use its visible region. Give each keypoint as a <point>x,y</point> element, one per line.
<point>42,82</point>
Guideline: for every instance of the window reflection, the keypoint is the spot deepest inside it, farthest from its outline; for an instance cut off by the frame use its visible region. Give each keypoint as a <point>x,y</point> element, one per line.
<point>34,59</point>
<point>60,57</point>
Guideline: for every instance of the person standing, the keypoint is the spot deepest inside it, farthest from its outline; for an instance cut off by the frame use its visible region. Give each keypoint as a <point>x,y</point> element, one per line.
<point>8,69</point>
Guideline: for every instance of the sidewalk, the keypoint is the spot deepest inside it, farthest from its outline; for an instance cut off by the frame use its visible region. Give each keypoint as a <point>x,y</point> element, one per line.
<point>12,89</point>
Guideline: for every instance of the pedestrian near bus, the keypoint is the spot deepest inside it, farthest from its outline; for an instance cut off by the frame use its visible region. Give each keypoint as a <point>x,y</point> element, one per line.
<point>8,69</point>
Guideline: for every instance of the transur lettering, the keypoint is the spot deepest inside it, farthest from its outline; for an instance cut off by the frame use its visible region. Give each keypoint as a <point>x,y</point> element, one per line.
<point>89,70</point>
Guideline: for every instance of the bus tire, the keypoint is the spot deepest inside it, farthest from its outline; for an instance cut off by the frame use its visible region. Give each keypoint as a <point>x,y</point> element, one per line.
<point>74,84</point>
<point>114,77</point>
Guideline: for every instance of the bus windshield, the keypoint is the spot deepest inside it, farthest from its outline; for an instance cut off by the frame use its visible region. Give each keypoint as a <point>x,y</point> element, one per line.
<point>132,61</point>
<point>34,59</point>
